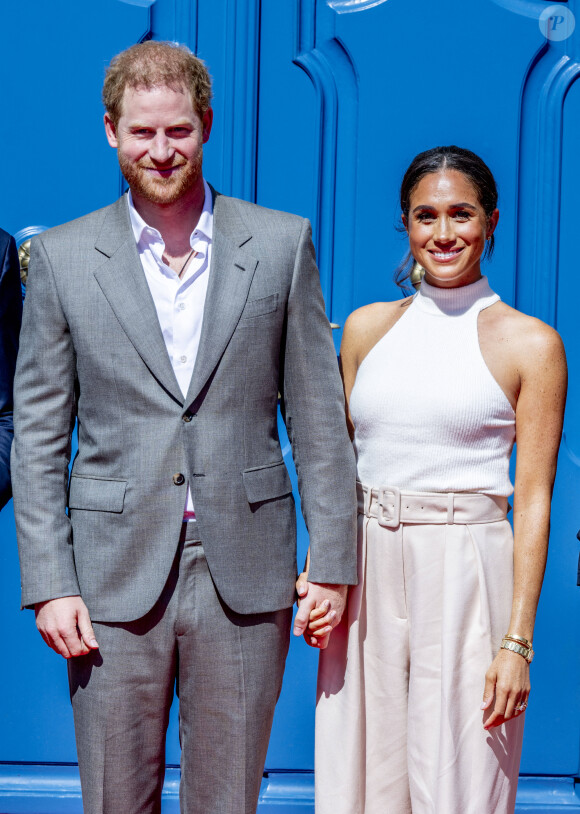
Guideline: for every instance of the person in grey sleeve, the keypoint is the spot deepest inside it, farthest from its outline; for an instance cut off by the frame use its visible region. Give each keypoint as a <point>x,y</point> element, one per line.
<point>166,325</point>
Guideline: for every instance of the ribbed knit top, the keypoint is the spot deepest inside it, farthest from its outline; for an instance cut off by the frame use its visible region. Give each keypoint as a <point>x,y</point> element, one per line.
<point>428,414</point>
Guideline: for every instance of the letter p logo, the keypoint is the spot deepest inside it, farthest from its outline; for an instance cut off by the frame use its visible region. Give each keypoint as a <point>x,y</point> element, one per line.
<point>557,23</point>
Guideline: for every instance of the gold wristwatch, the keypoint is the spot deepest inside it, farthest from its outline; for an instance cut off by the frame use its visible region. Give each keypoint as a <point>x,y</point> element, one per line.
<point>521,649</point>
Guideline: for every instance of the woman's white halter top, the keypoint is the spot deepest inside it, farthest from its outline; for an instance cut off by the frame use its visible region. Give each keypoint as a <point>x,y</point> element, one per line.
<point>428,414</point>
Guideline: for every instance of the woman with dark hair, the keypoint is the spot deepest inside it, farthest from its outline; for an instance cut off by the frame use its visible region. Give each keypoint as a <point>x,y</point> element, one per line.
<point>424,683</point>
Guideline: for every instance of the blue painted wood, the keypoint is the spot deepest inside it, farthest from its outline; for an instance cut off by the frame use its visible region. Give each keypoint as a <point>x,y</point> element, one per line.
<point>545,795</point>
<point>226,35</point>
<point>567,314</point>
<point>175,20</point>
<point>541,162</point>
<point>547,166</point>
<point>327,63</point>
<point>63,166</point>
<point>240,91</point>
<point>55,789</point>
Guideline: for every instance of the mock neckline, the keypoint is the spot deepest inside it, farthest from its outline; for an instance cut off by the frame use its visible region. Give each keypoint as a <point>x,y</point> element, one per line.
<point>455,301</point>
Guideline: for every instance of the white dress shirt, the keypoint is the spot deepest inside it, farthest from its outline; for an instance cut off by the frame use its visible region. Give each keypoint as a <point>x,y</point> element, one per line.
<point>179,302</point>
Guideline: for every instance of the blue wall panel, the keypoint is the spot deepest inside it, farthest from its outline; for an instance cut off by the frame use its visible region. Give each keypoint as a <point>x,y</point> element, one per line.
<point>52,67</point>
<point>58,166</point>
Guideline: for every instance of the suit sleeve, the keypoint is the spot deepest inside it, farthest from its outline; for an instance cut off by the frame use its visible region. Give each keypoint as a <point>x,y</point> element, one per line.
<point>10,318</point>
<point>44,416</point>
<point>313,408</point>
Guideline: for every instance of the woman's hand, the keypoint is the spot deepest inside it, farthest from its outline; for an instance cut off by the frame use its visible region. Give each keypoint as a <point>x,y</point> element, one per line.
<point>321,619</point>
<point>320,625</point>
<point>508,681</point>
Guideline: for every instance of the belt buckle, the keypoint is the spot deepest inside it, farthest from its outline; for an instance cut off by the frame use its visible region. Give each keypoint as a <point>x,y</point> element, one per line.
<point>386,521</point>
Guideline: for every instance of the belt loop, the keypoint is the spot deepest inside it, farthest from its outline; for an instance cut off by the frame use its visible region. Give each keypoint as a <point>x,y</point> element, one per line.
<point>450,508</point>
<point>367,495</point>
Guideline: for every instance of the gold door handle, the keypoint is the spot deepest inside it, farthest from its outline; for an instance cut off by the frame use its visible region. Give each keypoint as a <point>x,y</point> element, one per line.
<point>22,239</point>
<point>24,259</point>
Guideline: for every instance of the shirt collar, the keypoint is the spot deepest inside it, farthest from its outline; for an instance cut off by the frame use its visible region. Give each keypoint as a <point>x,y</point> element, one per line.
<point>144,233</point>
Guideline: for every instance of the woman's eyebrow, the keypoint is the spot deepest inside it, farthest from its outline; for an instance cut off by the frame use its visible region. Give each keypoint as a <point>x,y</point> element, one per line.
<point>461,205</point>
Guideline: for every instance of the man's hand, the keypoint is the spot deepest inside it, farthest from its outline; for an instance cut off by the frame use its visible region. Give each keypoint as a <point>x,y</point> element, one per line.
<point>320,609</point>
<point>65,625</point>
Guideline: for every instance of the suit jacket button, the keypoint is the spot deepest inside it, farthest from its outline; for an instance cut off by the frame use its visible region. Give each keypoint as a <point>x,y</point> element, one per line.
<point>187,417</point>
<point>178,479</point>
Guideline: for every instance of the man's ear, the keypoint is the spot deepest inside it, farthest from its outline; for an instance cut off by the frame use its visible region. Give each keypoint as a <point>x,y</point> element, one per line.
<point>206,123</point>
<point>111,131</point>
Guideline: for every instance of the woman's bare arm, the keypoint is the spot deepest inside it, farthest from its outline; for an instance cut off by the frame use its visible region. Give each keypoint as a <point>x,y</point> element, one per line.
<point>538,354</point>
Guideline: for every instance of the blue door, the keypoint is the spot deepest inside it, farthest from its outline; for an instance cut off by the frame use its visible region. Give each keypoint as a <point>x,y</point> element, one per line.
<point>320,105</point>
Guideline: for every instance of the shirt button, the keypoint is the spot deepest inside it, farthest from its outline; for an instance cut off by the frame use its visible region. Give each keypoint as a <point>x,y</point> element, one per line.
<point>178,479</point>
<point>183,358</point>
<point>181,306</point>
<point>187,417</point>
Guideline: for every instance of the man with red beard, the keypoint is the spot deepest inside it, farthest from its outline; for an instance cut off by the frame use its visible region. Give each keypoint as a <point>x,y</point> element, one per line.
<point>166,325</point>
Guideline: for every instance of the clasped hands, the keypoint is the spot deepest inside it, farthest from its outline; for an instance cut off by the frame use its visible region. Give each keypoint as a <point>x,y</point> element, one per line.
<point>320,609</point>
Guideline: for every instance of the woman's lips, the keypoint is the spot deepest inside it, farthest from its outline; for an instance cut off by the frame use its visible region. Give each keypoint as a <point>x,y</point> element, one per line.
<point>445,257</point>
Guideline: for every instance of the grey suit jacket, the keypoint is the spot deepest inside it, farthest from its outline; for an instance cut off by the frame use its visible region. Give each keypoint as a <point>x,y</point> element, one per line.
<point>92,350</point>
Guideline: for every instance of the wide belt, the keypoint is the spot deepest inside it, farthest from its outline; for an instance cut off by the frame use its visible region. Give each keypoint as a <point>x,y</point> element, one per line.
<point>391,506</point>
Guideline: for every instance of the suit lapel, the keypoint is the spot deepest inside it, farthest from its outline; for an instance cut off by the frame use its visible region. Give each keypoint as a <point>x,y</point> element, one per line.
<point>123,283</point>
<point>231,272</point>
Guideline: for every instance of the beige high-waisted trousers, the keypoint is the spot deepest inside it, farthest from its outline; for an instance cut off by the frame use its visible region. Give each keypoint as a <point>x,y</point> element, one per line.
<point>398,719</point>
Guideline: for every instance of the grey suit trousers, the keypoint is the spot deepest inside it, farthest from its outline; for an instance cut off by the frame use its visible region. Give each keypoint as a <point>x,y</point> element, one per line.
<point>228,668</point>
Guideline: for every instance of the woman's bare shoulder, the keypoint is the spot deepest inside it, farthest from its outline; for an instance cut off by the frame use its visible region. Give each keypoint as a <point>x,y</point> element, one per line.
<point>376,316</point>
<point>532,342</point>
<point>528,332</point>
<point>367,325</point>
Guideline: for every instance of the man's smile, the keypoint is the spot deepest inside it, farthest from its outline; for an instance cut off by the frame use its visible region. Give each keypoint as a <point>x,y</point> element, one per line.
<point>164,172</point>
